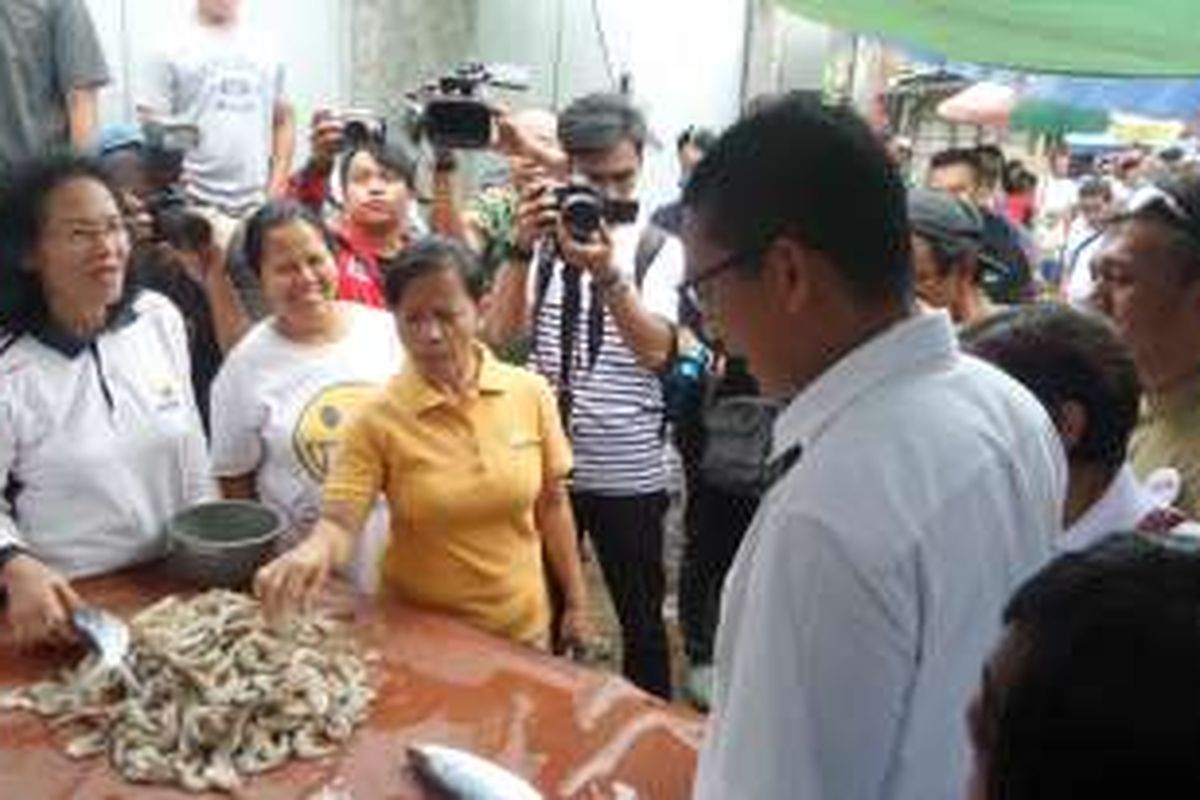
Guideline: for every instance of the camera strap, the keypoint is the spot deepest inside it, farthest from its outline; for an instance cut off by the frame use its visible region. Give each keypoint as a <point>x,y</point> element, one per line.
<point>8,343</point>
<point>547,257</point>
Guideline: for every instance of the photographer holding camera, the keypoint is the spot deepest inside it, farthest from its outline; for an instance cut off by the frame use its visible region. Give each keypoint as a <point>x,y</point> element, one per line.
<point>376,190</point>
<point>602,330</point>
<point>176,249</point>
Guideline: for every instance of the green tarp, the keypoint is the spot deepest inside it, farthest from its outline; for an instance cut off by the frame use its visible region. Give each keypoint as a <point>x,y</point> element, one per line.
<point>1094,37</point>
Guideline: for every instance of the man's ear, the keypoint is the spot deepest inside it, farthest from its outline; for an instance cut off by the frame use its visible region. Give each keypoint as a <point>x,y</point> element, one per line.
<point>788,273</point>
<point>1072,423</point>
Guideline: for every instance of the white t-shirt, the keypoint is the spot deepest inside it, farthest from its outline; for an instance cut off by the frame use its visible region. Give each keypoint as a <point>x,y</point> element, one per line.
<point>1083,245</point>
<point>100,447</point>
<point>1056,198</point>
<point>226,82</point>
<point>279,409</point>
<point>869,589</point>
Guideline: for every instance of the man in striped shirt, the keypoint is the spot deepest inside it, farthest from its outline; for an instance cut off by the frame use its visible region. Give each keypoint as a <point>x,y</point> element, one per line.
<point>602,328</point>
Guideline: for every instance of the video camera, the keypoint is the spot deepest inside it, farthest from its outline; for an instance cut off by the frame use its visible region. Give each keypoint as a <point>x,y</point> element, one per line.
<point>451,112</point>
<point>583,208</point>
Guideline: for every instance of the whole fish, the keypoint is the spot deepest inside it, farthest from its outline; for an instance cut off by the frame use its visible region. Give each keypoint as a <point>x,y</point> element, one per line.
<point>464,776</point>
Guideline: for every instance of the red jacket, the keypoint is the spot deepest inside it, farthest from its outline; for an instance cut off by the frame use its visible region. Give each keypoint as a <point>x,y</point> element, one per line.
<point>360,278</point>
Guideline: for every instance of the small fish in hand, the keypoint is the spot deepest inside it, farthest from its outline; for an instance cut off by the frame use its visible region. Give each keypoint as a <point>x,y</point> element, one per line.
<point>464,776</point>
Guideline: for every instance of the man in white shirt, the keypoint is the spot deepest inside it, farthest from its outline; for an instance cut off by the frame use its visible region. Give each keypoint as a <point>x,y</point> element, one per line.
<point>1096,207</point>
<point>916,486</point>
<point>224,79</point>
<point>1075,363</point>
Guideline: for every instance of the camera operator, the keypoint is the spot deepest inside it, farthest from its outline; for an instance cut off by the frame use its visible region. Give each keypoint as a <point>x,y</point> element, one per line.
<point>600,333</point>
<point>376,181</point>
<point>176,250</point>
<point>528,141</point>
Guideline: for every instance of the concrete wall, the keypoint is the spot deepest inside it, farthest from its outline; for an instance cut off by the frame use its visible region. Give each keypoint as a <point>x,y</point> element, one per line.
<point>684,58</point>
<point>787,51</point>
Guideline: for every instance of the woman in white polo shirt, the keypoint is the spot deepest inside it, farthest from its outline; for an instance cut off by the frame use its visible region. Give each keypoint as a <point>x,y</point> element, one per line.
<point>287,390</point>
<point>100,441</point>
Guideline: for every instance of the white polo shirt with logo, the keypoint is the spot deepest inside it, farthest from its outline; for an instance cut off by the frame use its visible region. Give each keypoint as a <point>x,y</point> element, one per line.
<point>869,589</point>
<point>100,442</point>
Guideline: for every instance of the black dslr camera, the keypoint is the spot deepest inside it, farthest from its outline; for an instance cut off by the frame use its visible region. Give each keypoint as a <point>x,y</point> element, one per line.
<point>175,222</point>
<point>451,112</point>
<point>583,208</point>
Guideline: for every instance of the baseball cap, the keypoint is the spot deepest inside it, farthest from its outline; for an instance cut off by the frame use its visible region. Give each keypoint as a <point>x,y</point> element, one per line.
<point>118,137</point>
<point>944,218</point>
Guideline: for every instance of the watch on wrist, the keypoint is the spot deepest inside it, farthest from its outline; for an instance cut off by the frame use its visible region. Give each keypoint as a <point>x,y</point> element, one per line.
<point>606,284</point>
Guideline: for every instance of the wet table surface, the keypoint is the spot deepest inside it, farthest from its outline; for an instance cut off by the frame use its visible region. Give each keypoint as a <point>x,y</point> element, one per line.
<point>572,732</point>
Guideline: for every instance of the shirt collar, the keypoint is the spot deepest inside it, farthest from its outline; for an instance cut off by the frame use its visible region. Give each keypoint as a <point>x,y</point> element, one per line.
<point>420,395</point>
<point>68,344</point>
<point>1122,506</point>
<point>900,349</point>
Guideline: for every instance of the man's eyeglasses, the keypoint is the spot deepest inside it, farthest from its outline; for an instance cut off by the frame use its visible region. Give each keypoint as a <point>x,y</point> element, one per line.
<point>691,289</point>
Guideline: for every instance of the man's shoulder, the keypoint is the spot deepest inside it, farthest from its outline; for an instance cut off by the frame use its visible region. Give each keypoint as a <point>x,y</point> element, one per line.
<point>933,427</point>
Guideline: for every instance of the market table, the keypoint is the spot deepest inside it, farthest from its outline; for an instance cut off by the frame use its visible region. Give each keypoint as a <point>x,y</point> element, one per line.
<point>571,731</point>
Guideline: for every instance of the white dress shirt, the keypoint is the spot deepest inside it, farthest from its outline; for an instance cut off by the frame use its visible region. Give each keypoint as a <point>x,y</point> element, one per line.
<point>1123,507</point>
<point>868,591</point>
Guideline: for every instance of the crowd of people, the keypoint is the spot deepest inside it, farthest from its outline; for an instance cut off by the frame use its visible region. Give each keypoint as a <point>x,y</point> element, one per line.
<point>941,442</point>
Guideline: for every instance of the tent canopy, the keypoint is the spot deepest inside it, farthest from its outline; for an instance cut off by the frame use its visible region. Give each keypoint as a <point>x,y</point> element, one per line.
<point>1097,37</point>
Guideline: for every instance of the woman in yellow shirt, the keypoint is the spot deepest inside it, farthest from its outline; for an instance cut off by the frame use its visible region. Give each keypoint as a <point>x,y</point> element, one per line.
<point>471,456</point>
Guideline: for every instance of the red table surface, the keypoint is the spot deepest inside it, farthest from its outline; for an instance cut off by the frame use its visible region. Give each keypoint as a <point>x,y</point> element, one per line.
<point>568,730</point>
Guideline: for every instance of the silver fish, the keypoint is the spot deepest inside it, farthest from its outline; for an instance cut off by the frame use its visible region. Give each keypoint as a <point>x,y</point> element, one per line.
<point>464,776</point>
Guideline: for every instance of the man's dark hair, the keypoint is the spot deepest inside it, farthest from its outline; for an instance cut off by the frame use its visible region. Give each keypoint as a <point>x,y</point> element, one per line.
<point>1096,187</point>
<point>700,138</point>
<point>392,156</point>
<point>957,157</point>
<point>1018,177</point>
<point>1103,700</point>
<point>1064,355</point>
<point>819,174</point>
<point>23,199</point>
<point>276,214</point>
<point>597,122</point>
<point>990,162</point>
<point>433,254</point>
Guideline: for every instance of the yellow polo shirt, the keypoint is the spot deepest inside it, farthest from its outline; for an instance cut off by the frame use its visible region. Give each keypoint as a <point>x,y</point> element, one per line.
<point>461,480</point>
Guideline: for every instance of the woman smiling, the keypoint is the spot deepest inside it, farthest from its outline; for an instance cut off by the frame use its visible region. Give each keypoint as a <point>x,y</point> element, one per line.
<point>471,456</point>
<point>100,440</point>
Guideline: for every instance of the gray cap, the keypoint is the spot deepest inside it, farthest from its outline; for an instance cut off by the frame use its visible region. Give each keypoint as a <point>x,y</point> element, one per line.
<point>944,218</point>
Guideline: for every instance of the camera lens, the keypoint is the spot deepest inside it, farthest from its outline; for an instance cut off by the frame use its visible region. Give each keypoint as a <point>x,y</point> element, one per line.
<point>355,133</point>
<point>582,212</point>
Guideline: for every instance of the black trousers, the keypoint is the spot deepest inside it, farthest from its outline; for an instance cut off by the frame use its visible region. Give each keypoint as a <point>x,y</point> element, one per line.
<point>715,521</point>
<point>627,537</point>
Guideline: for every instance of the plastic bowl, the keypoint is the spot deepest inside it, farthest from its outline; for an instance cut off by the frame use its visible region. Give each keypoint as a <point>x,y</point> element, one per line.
<point>222,543</point>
